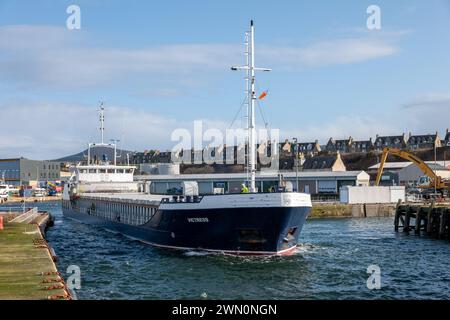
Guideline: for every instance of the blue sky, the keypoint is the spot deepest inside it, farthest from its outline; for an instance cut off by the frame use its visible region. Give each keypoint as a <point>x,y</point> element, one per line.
<point>160,65</point>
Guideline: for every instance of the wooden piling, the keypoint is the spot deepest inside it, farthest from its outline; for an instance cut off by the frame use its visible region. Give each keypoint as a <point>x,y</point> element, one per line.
<point>429,215</point>
<point>418,225</point>
<point>396,219</point>
<point>442,224</point>
<point>406,224</point>
<point>433,220</point>
<point>397,215</point>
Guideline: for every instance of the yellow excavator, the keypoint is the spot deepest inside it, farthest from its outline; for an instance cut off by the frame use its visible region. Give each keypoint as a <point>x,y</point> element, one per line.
<point>434,180</point>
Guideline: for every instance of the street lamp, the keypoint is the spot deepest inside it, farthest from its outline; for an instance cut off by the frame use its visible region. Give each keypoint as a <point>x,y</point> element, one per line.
<point>296,161</point>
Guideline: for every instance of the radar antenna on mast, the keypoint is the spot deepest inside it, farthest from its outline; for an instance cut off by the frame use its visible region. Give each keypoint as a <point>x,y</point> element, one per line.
<point>102,120</point>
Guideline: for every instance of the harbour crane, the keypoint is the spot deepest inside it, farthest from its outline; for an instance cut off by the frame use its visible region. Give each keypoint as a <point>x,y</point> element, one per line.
<point>435,180</point>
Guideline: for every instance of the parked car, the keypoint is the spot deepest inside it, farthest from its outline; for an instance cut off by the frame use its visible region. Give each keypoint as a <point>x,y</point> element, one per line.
<point>40,192</point>
<point>4,193</point>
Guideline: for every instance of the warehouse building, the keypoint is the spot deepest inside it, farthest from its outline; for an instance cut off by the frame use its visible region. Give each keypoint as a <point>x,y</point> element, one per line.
<point>407,173</point>
<point>410,175</point>
<point>21,171</point>
<point>321,182</point>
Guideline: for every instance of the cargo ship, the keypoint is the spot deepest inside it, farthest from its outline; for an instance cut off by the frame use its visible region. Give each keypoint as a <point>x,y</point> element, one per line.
<point>106,195</point>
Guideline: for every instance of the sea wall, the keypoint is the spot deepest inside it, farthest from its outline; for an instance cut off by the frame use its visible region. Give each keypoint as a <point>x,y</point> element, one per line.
<point>338,210</point>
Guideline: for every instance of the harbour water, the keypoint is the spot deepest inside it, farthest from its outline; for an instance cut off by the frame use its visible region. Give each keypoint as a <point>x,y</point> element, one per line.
<point>330,263</point>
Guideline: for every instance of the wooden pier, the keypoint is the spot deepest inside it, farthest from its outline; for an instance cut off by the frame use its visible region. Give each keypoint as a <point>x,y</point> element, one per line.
<point>27,265</point>
<point>432,220</point>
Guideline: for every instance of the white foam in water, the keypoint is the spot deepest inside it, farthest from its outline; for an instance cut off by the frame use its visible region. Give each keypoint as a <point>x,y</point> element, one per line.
<point>368,238</point>
<point>192,253</point>
<point>307,248</point>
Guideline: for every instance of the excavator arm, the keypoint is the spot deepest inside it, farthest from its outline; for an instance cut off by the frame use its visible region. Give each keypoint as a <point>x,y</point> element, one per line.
<point>410,157</point>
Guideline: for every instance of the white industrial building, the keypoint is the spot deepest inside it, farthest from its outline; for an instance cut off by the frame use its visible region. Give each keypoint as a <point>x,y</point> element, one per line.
<point>409,174</point>
<point>309,182</point>
<point>365,194</point>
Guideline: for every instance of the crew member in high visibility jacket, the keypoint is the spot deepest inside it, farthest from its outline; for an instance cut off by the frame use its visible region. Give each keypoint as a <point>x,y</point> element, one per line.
<point>244,189</point>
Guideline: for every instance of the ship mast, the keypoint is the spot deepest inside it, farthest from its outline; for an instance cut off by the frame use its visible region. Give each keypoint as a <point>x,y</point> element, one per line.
<point>251,101</point>
<point>102,121</point>
<point>102,132</point>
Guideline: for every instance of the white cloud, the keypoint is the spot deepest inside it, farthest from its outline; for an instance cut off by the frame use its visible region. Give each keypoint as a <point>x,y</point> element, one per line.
<point>436,102</point>
<point>55,57</point>
<point>330,52</point>
<point>53,130</point>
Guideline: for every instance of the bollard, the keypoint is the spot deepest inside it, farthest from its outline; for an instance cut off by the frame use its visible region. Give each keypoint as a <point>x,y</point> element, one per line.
<point>1,222</point>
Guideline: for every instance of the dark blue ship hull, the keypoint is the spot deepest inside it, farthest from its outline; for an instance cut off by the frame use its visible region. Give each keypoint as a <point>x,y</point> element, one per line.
<point>246,231</point>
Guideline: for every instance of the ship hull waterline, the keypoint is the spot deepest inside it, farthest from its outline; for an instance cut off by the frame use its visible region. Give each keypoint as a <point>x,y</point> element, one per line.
<point>237,231</point>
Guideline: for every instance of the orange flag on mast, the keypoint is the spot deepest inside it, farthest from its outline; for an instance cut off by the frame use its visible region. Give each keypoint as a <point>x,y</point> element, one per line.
<point>263,95</point>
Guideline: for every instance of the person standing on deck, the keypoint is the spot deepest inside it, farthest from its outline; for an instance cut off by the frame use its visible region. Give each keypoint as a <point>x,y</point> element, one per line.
<point>244,188</point>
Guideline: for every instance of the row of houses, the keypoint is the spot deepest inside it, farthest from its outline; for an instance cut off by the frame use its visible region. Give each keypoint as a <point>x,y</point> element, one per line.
<point>304,149</point>
<point>350,145</point>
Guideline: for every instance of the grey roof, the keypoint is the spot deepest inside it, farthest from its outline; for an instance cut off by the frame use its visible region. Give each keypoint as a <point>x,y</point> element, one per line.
<point>319,162</point>
<point>363,141</point>
<point>425,138</point>
<point>391,165</point>
<point>440,165</point>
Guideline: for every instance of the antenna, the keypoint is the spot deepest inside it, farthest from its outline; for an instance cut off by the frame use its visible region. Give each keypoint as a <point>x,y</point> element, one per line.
<point>102,120</point>
<point>250,91</point>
